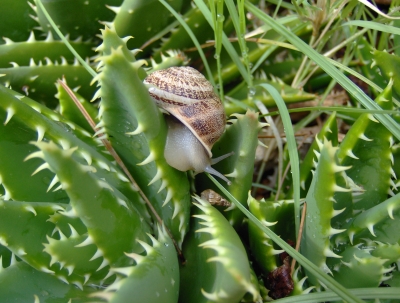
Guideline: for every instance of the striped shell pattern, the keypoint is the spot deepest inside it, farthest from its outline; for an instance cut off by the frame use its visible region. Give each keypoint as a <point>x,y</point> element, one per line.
<point>187,95</point>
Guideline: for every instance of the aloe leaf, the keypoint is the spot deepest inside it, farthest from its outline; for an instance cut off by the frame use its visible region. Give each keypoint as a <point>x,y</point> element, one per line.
<point>38,80</point>
<point>17,218</point>
<point>366,55</point>
<point>358,268</point>
<point>241,138</point>
<point>136,18</point>
<point>13,25</point>
<point>302,260</point>
<point>113,223</point>
<point>137,131</point>
<point>367,149</point>
<point>69,110</point>
<point>272,214</point>
<point>329,131</point>
<point>315,243</point>
<point>39,50</point>
<point>217,268</point>
<point>46,288</point>
<point>154,278</point>
<point>34,122</point>
<point>15,136</point>
<point>378,221</point>
<point>78,19</point>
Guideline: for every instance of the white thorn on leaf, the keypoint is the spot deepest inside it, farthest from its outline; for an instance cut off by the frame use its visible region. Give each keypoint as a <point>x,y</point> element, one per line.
<point>31,209</point>
<point>139,129</point>
<point>40,131</point>
<point>168,197</point>
<point>150,158</point>
<point>41,167</point>
<point>10,114</point>
<point>86,242</point>
<point>364,137</point>
<point>371,229</point>
<point>157,176</point>
<point>103,264</point>
<point>351,154</point>
<point>52,183</point>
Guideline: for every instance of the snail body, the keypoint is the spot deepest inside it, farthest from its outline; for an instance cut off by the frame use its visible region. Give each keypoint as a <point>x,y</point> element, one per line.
<point>196,121</point>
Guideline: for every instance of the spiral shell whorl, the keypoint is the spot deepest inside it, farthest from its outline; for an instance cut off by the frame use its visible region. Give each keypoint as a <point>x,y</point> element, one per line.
<point>182,81</point>
<point>186,94</point>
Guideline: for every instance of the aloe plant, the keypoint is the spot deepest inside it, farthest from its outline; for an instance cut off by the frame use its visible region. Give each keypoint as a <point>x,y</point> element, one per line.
<point>93,213</point>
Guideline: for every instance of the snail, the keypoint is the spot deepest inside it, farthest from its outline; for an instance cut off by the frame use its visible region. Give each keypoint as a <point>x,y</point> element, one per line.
<point>196,118</point>
<point>214,198</point>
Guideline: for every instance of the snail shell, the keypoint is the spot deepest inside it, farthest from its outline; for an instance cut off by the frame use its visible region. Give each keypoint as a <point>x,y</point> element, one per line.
<point>214,198</point>
<point>186,94</point>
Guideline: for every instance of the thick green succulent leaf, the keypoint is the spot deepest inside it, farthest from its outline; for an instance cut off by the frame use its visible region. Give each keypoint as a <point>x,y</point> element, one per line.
<point>379,222</point>
<point>366,56</point>
<point>21,283</point>
<point>395,280</point>
<point>30,231</point>
<point>37,79</point>
<point>315,243</point>
<point>367,149</point>
<point>329,131</point>
<point>154,278</point>
<point>70,111</point>
<point>77,18</point>
<point>24,121</point>
<point>390,253</point>
<point>136,18</point>
<point>274,215</point>
<point>240,137</point>
<point>389,66</point>
<point>217,268</point>
<point>16,24</point>
<point>358,268</point>
<point>171,59</point>
<point>114,225</point>
<point>137,131</point>
<point>24,227</point>
<point>65,251</point>
<point>20,125</point>
<point>39,50</point>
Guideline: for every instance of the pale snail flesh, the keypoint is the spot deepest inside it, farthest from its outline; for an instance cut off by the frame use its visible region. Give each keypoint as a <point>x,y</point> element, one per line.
<point>198,118</point>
